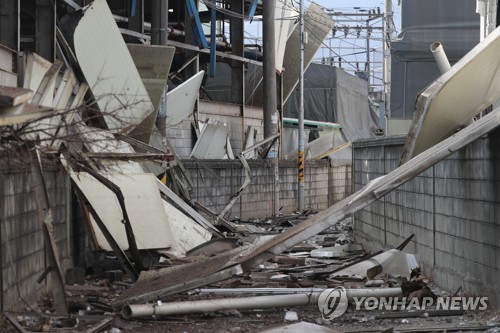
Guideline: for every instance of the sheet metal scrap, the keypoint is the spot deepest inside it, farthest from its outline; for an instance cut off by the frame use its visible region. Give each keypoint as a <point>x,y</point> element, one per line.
<point>392,262</point>
<point>337,251</point>
<point>109,68</point>
<point>300,328</point>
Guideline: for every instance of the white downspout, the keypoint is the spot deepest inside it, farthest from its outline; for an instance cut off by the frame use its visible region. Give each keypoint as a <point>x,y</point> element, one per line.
<point>440,57</point>
<point>481,10</point>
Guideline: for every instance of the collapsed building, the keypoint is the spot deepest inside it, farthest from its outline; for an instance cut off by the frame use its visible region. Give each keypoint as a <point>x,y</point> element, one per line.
<point>132,128</point>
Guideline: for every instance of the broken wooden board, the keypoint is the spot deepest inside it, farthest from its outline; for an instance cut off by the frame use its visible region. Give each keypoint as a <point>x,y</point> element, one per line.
<point>13,96</point>
<point>315,224</point>
<point>450,102</point>
<point>109,69</point>
<point>144,205</point>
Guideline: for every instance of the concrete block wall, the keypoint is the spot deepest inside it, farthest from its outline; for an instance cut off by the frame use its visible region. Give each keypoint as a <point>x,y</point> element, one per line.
<point>453,208</point>
<point>217,181</point>
<point>182,137</point>
<point>22,242</point>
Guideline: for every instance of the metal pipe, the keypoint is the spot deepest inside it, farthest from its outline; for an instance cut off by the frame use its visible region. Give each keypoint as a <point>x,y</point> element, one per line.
<point>175,308</point>
<point>213,33</point>
<point>350,293</point>
<point>440,57</point>
<point>387,56</point>
<point>159,22</point>
<point>306,297</point>
<point>271,116</point>
<point>481,10</point>
<point>269,84</point>
<point>301,144</point>
<point>239,291</point>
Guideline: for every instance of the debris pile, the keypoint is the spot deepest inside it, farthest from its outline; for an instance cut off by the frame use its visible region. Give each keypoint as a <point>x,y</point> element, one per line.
<point>289,285</point>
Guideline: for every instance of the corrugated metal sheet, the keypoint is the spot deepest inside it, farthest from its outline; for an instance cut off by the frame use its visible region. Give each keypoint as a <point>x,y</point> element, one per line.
<point>110,70</point>
<point>469,87</point>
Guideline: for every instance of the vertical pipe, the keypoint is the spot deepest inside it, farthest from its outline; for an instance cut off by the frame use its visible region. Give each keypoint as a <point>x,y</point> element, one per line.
<point>155,22</point>
<point>300,153</point>
<point>481,10</point>
<point>213,33</point>
<point>269,83</point>
<point>159,22</point>
<point>387,56</point>
<point>368,67</point>
<point>136,18</point>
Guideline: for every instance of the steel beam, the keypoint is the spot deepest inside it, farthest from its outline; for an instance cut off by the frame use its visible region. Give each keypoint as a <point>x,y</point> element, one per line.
<point>237,40</point>
<point>9,24</point>
<point>45,29</point>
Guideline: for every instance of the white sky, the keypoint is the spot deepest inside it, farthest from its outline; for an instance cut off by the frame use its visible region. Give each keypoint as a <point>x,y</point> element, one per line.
<point>255,28</point>
<point>351,49</point>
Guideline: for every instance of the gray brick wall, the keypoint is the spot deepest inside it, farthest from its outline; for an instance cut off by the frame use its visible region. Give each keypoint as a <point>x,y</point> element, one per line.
<point>453,208</point>
<point>324,186</point>
<point>183,138</point>
<point>22,243</point>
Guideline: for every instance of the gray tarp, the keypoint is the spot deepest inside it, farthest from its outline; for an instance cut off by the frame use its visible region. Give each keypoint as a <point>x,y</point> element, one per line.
<point>332,95</point>
<point>454,23</point>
